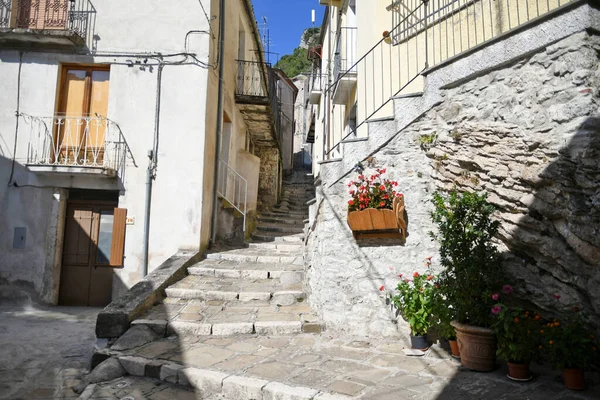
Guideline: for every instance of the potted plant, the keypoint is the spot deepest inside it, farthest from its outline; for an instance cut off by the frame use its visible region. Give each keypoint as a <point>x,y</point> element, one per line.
<point>443,315</point>
<point>517,332</point>
<point>375,208</point>
<point>414,302</point>
<point>471,272</point>
<point>571,347</point>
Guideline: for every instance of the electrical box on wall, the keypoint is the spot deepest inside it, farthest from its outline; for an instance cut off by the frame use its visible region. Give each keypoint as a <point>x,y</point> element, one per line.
<point>19,237</point>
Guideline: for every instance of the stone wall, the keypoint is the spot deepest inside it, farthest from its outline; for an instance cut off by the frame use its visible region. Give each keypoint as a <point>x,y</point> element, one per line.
<point>345,275</point>
<point>527,133</point>
<point>269,177</point>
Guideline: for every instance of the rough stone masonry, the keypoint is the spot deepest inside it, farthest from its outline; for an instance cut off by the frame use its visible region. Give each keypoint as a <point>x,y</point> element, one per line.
<point>529,135</point>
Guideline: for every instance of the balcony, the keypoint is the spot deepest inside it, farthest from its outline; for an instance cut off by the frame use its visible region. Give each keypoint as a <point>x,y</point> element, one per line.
<point>81,145</point>
<point>55,24</point>
<point>256,97</point>
<point>344,68</point>
<point>316,88</point>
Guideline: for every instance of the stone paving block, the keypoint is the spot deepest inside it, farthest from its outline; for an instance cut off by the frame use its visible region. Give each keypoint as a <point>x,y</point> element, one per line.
<point>286,298</point>
<point>189,328</point>
<point>244,346</point>
<point>346,387</point>
<point>330,396</point>
<point>153,369</point>
<point>228,273</point>
<point>227,329</point>
<point>135,366</point>
<point>243,388</point>
<point>239,363</point>
<point>201,271</point>
<point>205,382</point>
<point>272,370</point>
<point>220,295</point>
<point>169,372</point>
<point>157,325</point>
<point>277,327</point>
<point>252,296</point>
<point>291,277</point>
<point>279,391</point>
<point>205,356</point>
<point>311,327</point>
<point>314,378</point>
<point>254,274</point>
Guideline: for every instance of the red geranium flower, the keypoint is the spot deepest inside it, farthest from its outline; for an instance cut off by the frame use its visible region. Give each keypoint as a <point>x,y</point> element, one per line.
<point>430,277</point>
<point>416,275</point>
<point>350,202</point>
<point>382,188</point>
<point>382,288</point>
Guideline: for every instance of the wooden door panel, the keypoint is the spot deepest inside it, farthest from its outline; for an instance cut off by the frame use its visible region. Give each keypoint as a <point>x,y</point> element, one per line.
<point>75,272</point>
<point>100,291</point>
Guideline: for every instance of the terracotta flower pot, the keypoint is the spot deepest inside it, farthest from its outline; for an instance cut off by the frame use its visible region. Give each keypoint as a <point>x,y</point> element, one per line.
<point>477,347</point>
<point>454,348</point>
<point>518,372</point>
<point>574,378</point>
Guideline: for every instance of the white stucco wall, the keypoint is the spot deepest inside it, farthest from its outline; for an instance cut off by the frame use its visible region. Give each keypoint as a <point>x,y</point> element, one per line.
<point>122,29</point>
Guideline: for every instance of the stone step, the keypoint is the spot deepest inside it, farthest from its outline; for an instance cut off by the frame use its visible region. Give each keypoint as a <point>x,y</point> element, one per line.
<point>265,236</point>
<point>292,213</point>
<point>275,227</point>
<point>298,217</point>
<point>282,220</point>
<point>285,246</point>
<point>197,317</point>
<point>223,269</point>
<point>249,255</point>
<point>288,286</point>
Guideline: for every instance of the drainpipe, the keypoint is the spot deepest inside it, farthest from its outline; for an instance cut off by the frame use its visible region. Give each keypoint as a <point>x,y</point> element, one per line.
<point>327,138</point>
<point>213,228</point>
<point>151,172</point>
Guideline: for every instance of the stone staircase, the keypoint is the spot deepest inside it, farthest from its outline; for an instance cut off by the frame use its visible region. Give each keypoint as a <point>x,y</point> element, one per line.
<point>252,290</point>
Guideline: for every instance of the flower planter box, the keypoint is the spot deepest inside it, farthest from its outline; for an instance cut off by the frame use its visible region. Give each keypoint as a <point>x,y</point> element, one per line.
<point>374,223</point>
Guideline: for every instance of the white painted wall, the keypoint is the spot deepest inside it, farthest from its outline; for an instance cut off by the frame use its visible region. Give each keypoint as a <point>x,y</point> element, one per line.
<point>135,26</point>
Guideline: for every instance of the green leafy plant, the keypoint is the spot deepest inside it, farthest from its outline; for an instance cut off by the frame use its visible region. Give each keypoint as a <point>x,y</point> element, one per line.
<point>414,301</point>
<point>443,313</point>
<point>569,344</point>
<point>517,331</point>
<point>472,270</point>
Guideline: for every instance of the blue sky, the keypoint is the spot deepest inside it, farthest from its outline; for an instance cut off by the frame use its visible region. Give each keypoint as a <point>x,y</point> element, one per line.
<point>286,20</point>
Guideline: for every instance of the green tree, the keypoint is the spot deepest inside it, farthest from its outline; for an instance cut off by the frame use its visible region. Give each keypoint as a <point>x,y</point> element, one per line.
<point>298,62</point>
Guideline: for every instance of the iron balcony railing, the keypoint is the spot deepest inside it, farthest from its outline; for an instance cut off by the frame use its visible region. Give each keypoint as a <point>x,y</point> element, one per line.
<point>233,187</point>
<point>345,53</point>
<point>427,33</point>
<point>75,141</point>
<point>66,15</point>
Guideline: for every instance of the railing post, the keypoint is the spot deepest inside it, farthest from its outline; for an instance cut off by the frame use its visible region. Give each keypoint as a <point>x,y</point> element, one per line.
<point>425,2</point>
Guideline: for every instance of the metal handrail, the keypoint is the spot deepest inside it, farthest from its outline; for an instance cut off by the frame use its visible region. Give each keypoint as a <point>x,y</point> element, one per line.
<point>428,33</point>
<point>233,187</point>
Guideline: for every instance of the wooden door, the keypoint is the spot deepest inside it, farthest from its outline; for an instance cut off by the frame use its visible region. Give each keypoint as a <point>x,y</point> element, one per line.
<point>89,253</point>
<point>80,131</point>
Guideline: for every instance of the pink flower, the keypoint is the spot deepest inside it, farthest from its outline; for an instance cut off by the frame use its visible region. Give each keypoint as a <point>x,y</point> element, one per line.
<point>400,275</point>
<point>406,280</point>
<point>382,288</point>
<point>507,289</point>
<point>430,277</point>
<point>382,170</point>
<point>391,268</point>
<point>416,275</point>
<point>361,177</point>
<point>350,202</point>
<point>495,296</point>
<point>496,309</point>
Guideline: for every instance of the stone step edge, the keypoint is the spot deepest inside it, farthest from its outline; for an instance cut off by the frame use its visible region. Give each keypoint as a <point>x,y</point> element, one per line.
<point>191,294</point>
<point>261,328</point>
<point>241,273</point>
<point>293,259</point>
<point>208,382</point>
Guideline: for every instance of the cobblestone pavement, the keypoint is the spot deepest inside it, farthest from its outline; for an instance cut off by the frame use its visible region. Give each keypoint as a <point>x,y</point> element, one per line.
<point>44,350</point>
<point>327,365</point>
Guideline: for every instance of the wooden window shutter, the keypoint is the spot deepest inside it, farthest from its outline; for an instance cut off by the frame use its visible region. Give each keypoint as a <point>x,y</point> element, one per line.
<point>118,237</point>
